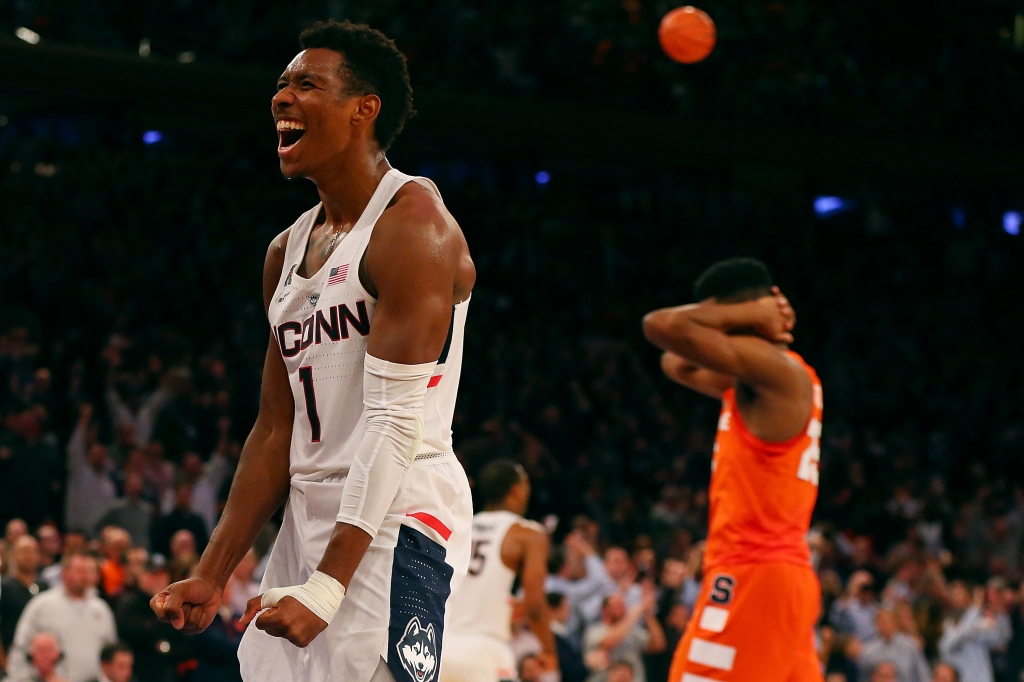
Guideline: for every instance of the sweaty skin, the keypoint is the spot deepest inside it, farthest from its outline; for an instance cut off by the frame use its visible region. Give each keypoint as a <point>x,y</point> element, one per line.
<point>417,263</point>
<point>707,350</point>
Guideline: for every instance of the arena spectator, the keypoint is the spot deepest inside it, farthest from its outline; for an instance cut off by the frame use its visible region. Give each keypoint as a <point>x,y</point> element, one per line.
<point>855,612</point>
<point>14,530</point>
<point>621,671</point>
<point>50,546</point>
<point>625,634</point>
<point>570,659</point>
<point>44,661</point>
<point>971,631</point>
<point>73,542</point>
<point>623,573</point>
<point>81,622</point>
<point>131,512</point>
<point>157,646</point>
<point>29,467</point>
<point>135,418</point>
<point>884,672</point>
<point>840,653</point>
<point>17,588</point>
<point>944,672</point>
<point>206,480</point>
<point>180,518</point>
<point>135,562</point>
<point>116,663</point>
<point>577,571</point>
<point>91,490</point>
<point>897,648</point>
<point>114,543</point>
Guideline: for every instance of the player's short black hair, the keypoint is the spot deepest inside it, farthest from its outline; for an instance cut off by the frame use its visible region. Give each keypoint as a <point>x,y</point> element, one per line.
<point>555,599</point>
<point>734,280</point>
<point>496,479</point>
<point>373,64</point>
<point>108,651</point>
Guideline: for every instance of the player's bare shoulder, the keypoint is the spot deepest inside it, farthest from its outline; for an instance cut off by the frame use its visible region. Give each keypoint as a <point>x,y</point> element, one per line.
<point>418,228</point>
<point>273,264</point>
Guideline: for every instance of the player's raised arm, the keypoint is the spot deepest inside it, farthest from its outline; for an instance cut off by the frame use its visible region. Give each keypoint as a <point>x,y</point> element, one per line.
<point>682,371</point>
<point>731,339</point>
<point>260,486</point>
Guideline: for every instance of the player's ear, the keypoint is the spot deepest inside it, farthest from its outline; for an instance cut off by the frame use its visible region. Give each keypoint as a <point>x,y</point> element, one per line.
<point>367,110</point>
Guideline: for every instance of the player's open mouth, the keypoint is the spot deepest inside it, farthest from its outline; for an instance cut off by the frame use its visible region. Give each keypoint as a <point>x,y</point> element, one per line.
<point>289,132</point>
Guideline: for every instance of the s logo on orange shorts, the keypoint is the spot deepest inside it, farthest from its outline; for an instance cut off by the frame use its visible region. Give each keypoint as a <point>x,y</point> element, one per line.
<point>722,588</point>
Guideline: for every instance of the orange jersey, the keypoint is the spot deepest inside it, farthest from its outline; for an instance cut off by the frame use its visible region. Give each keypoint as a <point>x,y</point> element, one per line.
<point>762,494</point>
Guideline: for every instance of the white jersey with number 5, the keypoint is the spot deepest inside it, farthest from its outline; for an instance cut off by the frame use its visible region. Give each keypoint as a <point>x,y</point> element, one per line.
<point>483,605</point>
<point>322,324</point>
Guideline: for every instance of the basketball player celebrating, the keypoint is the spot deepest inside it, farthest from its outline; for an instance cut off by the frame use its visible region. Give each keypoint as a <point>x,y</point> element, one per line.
<point>367,295</point>
<point>755,615</point>
<point>504,545</point>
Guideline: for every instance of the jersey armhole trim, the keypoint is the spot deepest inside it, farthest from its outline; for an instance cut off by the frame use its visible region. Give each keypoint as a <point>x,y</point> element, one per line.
<point>770,448</point>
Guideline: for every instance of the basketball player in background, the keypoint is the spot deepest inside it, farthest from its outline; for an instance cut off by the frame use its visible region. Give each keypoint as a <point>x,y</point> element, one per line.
<point>755,614</point>
<point>504,545</point>
<point>367,295</point>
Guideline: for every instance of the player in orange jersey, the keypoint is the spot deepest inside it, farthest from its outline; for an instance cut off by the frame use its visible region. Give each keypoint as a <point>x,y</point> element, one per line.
<point>754,618</point>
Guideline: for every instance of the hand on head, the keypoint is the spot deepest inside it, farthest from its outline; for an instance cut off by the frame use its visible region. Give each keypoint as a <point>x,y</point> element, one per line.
<point>778,319</point>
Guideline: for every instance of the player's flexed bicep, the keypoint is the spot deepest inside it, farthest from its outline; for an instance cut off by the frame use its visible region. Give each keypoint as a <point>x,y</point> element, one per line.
<point>418,265</point>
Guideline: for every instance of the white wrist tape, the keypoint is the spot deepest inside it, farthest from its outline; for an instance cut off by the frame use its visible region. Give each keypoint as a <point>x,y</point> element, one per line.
<point>393,397</point>
<point>321,594</point>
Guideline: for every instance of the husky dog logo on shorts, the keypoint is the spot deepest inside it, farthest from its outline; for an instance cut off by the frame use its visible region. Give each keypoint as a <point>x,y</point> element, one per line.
<point>418,651</point>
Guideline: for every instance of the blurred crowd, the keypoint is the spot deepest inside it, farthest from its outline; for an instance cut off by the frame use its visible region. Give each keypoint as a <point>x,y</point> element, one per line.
<point>132,336</point>
<point>908,70</point>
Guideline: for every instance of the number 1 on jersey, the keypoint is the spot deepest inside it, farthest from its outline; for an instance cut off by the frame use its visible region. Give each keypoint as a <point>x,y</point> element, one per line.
<point>306,379</point>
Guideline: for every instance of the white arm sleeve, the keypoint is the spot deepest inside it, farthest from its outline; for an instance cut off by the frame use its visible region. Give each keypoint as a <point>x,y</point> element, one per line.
<point>393,396</point>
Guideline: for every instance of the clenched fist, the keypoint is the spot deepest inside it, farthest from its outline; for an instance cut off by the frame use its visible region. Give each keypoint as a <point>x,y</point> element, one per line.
<point>189,605</point>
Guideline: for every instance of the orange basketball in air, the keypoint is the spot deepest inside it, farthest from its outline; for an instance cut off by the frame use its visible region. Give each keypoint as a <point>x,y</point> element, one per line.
<point>687,34</point>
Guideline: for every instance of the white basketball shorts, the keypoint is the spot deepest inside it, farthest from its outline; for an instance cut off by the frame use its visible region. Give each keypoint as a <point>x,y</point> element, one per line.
<point>470,657</point>
<point>396,604</point>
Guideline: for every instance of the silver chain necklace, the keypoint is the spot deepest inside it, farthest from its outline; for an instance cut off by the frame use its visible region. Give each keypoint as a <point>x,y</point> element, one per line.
<point>338,236</point>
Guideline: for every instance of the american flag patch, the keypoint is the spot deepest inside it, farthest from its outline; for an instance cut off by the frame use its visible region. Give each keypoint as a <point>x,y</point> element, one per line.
<point>337,275</point>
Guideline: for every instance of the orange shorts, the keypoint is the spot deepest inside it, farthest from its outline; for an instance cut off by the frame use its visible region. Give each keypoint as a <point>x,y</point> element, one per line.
<point>752,623</point>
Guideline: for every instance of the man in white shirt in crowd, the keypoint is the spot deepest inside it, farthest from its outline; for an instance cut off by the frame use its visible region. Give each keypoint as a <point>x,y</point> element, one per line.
<point>971,630</point>
<point>855,611</point>
<point>91,492</point>
<point>623,634</point>
<point>900,649</point>
<point>81,622</point>
<point>578,573</point>
<point>623,573</point>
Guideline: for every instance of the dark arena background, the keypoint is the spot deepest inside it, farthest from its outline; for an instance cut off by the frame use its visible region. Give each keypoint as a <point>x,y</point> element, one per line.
<point>871,153</point>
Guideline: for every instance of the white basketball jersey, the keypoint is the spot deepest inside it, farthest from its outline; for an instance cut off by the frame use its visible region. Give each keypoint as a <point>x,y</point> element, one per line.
<point>483,605</point>
<point>322,324</point>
